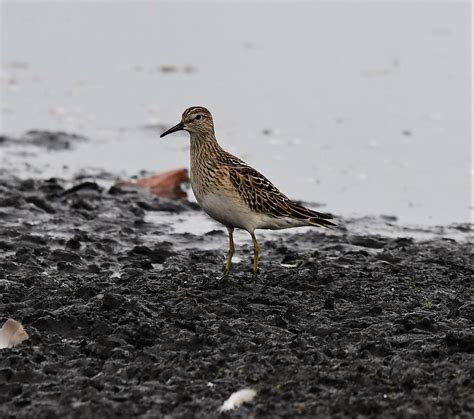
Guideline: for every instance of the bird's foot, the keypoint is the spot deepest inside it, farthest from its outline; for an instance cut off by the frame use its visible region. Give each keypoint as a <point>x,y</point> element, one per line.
<point>224,276</point>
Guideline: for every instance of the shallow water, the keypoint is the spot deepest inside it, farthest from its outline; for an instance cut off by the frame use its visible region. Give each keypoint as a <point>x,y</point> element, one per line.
<point>188,229</point>
<point>361,106</point>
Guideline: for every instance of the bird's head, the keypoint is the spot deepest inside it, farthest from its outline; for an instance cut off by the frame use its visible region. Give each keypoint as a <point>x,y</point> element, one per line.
<point>195,120</point>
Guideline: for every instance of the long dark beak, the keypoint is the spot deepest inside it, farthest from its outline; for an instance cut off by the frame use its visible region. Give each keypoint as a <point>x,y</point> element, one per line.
<point>177,127</point>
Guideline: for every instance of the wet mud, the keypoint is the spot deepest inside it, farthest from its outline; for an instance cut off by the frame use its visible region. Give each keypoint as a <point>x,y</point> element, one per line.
<point>43,139</point>
<point>122,323</point>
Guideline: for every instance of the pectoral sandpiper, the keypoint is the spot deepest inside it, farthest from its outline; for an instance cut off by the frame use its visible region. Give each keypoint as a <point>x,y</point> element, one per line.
<point>234,193</point>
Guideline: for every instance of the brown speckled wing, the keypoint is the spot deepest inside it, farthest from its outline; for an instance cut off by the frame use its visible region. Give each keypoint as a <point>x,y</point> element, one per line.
<point>262,196</point>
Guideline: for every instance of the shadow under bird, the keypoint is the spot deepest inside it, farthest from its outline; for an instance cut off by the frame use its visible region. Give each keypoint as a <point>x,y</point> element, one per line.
<point>232,192</point>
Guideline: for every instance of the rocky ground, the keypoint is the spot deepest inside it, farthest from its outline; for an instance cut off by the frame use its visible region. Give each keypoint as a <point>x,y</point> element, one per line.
<point>122,323</point>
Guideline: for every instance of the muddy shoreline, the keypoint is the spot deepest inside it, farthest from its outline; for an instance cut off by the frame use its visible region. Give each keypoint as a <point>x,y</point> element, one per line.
<point>123,323</point>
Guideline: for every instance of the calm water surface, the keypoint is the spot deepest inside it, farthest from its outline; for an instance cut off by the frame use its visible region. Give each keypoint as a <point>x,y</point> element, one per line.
<point>361,106</point>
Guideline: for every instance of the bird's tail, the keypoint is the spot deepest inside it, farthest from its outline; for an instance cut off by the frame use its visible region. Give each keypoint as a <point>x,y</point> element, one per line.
<point>311,217</point>
<point>317,221</point>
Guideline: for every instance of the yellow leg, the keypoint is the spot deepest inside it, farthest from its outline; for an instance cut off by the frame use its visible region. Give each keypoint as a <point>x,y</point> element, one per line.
<point>230,252</point>
<point>256,254</point>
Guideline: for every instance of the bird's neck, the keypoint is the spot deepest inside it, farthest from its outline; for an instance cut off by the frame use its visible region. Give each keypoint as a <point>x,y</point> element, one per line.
<point>203,146</point>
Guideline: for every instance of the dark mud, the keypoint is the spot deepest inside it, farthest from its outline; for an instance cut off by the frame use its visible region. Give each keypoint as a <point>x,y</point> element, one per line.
<point>124,324</point>
<point>49,140</point>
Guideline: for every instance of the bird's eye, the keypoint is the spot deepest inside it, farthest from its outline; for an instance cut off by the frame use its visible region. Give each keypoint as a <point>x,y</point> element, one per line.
<point>198,118</point>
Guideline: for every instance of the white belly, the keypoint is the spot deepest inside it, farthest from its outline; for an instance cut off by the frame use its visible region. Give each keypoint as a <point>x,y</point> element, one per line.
<point>227,210</point>
<point>233,213</point>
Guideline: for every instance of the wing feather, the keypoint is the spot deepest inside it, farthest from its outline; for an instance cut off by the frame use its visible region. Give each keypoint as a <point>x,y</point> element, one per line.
<point>262,196</point>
